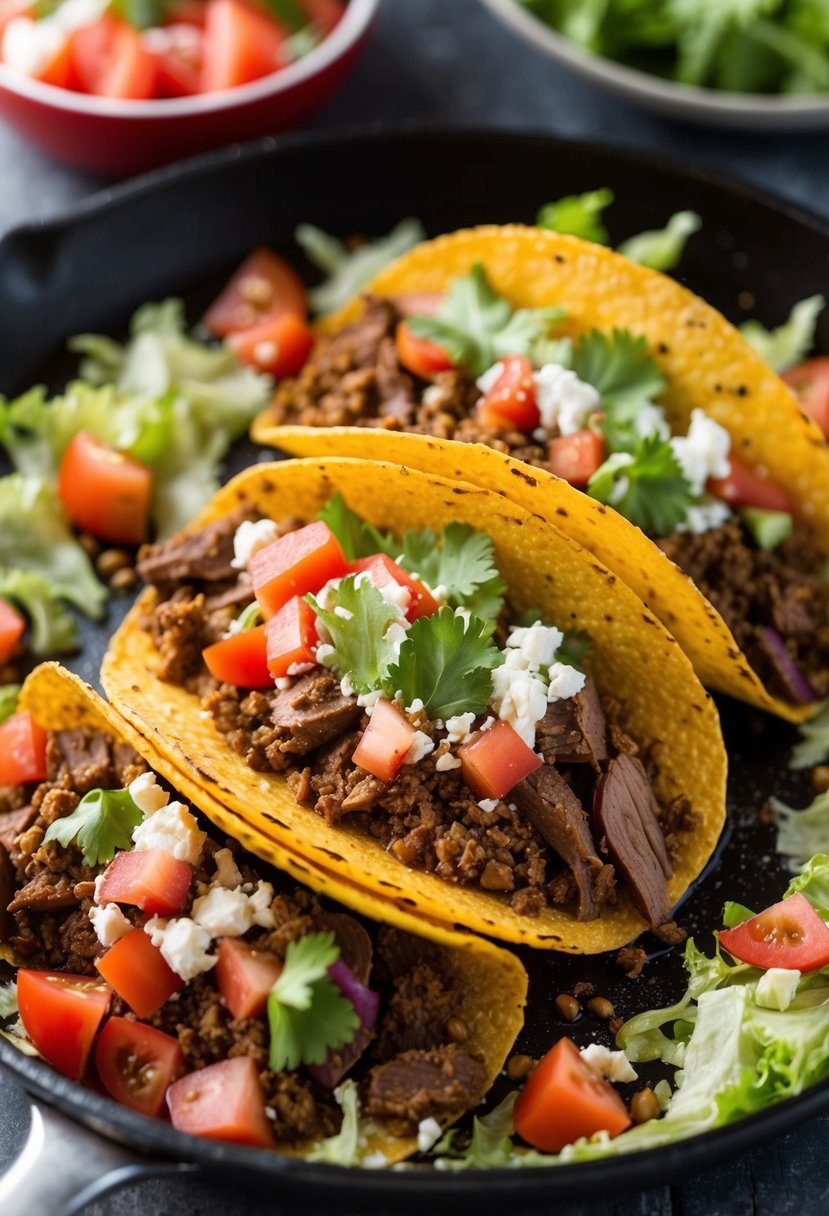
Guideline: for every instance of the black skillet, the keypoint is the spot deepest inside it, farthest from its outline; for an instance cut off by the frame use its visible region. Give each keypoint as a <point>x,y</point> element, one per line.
<point>180,232</point>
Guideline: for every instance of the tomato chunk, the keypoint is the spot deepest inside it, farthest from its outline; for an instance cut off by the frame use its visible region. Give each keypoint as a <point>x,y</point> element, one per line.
<point>743,487</point>
<point>104,491</point>
<point>59,69</point>
<point>576,457</point>
<point>810,384</point>
<point>419,355</point>
<point>384,571</point>
<point>385,742</point>
<point>22,750</point>
<point>496,760</point>
<point>139,973</point>
<point>264,288</point>
<point>61,1014</point>
<point>295,564</point>
<point>241,43</point>
<point>178,51</point>
<point>291,637</point>
<point>511,402</point>
<point>279,347</point>
<point>110,60</point>
<point>136,1064</point>
<point>245,976</point>
<point>222,1102</point>
<point>12,628</point>
<point>564,1099</point>
<point>240,659</point>
<point>324,14</point>
<point>150,879</point>
<point>789,934</point>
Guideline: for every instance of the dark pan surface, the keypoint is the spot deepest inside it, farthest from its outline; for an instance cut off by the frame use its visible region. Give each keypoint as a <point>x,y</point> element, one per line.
<point>179,232</point>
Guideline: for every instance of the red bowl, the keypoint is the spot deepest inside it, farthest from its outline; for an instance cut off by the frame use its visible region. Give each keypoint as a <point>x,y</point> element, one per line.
<point>117,138</point>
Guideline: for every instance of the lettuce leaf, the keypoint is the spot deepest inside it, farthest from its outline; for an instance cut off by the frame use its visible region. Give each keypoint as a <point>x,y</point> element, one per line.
<point>801,834</point>
<point>662,248</point>
<point>350,270</point>
<point>814,741</point>
<point>789,343</point>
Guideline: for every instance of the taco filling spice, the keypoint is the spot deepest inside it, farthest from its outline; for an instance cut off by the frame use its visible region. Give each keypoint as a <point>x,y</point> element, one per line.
<point>587,410</point>
<point>201,982</point>
<point>393,688</point>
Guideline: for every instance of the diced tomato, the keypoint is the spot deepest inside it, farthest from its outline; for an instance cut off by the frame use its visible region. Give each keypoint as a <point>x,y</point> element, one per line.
<point>61,1014</point>
<point>419,355</point>
<point>789,934</point>
<point>22,750</point>
<point>743,487</point>
<point>810,384</point>
<point>245,976</point>
<point>291,637</point>
<point>12,628</point>
<point>240,659</point>
<point>383,571</point>
<point>139,973</point>
<point>279,347</point>
<point>241,43</point>
<point>222,1102</point>
<point>136,1064</point>
<point>264,288</point>
<point>104,491</point>
<point>150,879</point>
<point>59,69</point>
<point>295,564</point>
<point>565,1099</point>
<point>495,760</point>
<point>576,457</point>
<point>385,742</point>
<point>324,14</point>
<point>110,60</point>
<point>178,50</point>
<point>510,404</point>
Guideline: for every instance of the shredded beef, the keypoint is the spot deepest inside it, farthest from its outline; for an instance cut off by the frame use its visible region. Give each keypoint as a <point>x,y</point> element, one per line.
<point>754,589</point>
<point>80,756</point>
<point>422,1003</point>
<point>299,1109</point>
<point>204,556</point>
<point>12,823</point>
<point>574,729</point>
<point>312,712</point>
<point>626,812</point>
<point>420,1084</point>
<point>6,892</point>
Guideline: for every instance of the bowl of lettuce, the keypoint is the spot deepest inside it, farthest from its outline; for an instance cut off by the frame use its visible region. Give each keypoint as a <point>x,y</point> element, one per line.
<point>760,65</point>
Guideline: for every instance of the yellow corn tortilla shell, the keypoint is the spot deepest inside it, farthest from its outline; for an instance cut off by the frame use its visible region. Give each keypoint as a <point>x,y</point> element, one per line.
<point>707,364</point>
<point>492,980</point>
<point>633,658</point>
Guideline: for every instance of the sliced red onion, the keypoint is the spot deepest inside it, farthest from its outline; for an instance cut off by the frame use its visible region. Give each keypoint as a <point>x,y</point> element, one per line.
<point>796,684</point>
<point>366,1005</point>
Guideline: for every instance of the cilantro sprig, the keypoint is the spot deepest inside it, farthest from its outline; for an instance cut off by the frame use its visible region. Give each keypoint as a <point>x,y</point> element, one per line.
<point>647,486</point>
<point>462,562</point>
<point>625,376</point>
<point>357,538</point>
<point>307,1014</point>
<point>361,648</point>
<point>446,662</point>
<point>578,215</point>
<point>102,822</point>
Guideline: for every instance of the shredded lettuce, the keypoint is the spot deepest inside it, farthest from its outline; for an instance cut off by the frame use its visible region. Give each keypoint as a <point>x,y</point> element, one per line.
<point>8,1000</point>
<point>789,343</point>
<point>662,248</point>
<point>814,745</point>
<point>344,1148</point>
<point>578,215</point>
<point>800,834</point>
<point>350,270</point>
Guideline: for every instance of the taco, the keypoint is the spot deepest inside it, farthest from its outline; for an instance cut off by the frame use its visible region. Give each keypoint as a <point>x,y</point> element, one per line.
<point>411,717</point>
<point>202,981</point>
<point>566,357</point>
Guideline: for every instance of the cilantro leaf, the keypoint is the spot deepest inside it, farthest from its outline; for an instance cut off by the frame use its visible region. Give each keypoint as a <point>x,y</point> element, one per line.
<point>8,700</point>
<point>578,215</point>
<point>647,486</point>
<point>102,822</point>
<point>361,649</point>
<point>462,562</point>
<point>307,1013</point>
<point>446,662</point>
<point>790,342</point>
<point>662,248</point>
<point>574,648</point>
<point>626,377</point>
<point>477,326</point>
<point>350,270</point>
<point>358,538</point>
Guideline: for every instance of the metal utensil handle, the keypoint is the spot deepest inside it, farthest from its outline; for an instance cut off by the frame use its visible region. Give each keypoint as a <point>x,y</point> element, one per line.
<point>64,1166</point>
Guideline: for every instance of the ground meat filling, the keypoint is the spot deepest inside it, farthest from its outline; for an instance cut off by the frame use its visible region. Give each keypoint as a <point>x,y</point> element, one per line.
<point>537,847</point>
<point>46,893</point>
<point>757,589</point>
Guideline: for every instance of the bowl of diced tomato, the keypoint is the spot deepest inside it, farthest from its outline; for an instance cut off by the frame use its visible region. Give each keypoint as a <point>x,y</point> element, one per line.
<point>120,86</point>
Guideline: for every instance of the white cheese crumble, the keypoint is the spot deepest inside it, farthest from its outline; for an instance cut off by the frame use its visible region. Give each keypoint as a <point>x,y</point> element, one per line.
<point>183,944</point>
<point>459,727</point>
<point>564,682</point>
<point>611,1064</point>
<point>223,913</point>
<point>227,872</point>
<point>488,804</point>
<point>564,402</point>
<point>421,746</point>
<point>299,669</point>
<point>703,452</point>
<point>530,677</point>
<point>533,646</point>
<point>109,923</point>
<point>367,700</point>
<point>174,829</point>
<point>325,652</point>
<point>650,420</point>
<point>374,1161</point>
<point>520,698</point>
<point>280,683</point>
<point>428,1134</point>
<point>415,706</point>
<point>147,794</point>
<point>776,988</point>
<point>446,762</point>
<point>260,905</point>
<point>250,538</point>
<point>703,516</point>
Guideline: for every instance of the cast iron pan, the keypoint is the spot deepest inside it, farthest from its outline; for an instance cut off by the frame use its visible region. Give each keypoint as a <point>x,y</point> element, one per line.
<point>180,232</point>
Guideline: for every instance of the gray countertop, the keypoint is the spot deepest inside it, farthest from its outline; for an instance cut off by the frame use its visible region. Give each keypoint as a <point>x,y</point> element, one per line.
<point>449,62</point>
